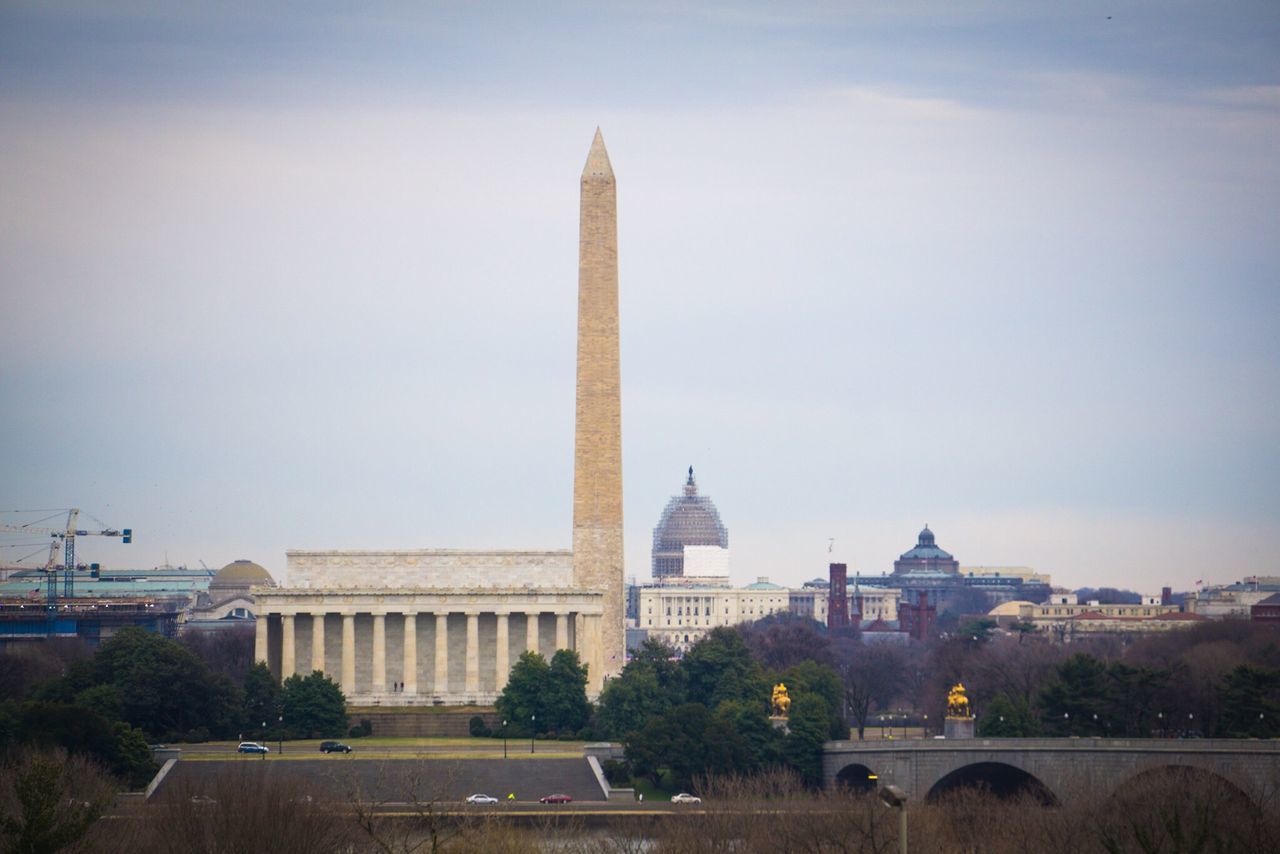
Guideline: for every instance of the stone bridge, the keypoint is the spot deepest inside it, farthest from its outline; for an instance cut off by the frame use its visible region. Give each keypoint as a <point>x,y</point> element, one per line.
<point>1053,769</point>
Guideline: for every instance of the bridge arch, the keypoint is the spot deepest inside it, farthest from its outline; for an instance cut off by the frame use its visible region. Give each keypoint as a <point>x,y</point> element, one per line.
<point>999,778</point>
<point>856,778</point>
<point>1174,773</point>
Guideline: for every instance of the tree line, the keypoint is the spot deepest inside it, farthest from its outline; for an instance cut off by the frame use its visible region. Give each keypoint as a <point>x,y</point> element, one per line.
<point>707,713</point>
<point>139,688</point>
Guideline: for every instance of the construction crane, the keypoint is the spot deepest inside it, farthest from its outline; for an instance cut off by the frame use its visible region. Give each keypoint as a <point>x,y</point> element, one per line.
<point>66,537</point>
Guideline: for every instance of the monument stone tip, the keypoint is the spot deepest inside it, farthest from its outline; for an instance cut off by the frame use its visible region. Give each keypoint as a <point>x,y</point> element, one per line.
<point>598,164</point>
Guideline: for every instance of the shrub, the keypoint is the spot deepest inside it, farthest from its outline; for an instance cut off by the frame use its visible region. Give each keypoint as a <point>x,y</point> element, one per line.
<point>478,727</point>
<point>618,773</point>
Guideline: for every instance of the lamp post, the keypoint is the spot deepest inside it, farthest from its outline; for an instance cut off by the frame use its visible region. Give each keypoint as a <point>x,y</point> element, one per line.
<point>282,735</point>
<point>264,738</point>
<point>895,798</point>
<point>533,730</point>
<point>504,739</point>
<point>926,724</point>
<point>1160,725</point>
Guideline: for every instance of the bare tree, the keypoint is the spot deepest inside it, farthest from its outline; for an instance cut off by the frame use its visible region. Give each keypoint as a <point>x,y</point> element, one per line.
<point>872,677</point>
<point>225,651</point>
<point>242,808</point>
<point>408,807</point>
<point>50,800</point>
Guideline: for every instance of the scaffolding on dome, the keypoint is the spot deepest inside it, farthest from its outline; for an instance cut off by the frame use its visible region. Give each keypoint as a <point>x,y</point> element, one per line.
<point>689,519</point>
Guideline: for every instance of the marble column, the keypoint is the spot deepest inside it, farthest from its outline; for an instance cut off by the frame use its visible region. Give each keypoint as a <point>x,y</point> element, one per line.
<point>531,632</point>
<point>442,655</point>
<point>349,654</point>
<point>411,654</point>
<point>503,644</point>
<point>473,652</point>
<point>260,638</point>
<point>288,659</point>
<point>562,631</point>
<point>317,642</point>
<point>379,653</point>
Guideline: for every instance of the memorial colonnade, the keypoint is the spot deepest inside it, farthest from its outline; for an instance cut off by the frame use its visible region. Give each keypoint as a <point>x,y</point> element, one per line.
<point>414,649</point>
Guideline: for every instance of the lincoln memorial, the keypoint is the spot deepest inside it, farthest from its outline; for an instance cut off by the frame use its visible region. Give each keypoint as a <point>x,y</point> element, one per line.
<point>423,627</point>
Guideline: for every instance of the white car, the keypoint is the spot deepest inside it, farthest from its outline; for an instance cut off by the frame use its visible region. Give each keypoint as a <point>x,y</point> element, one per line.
<point>685,798</point>
<point>481,799</point>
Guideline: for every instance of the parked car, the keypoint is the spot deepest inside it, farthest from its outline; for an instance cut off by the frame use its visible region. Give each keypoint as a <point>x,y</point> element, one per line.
<point>481,799</point>
<point>556,799</point>
<point>685,798</point>
<point>334,747</point>
<point>252,747</point>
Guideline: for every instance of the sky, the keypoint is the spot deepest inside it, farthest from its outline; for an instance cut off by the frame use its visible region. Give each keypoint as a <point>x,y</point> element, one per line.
<point>303,276</point>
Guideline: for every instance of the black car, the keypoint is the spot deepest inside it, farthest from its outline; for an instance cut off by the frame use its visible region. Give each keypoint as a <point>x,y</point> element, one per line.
<point>334,747</point>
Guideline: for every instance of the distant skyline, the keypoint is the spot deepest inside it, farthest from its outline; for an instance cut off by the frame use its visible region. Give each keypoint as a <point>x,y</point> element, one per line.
<point>303,277</point>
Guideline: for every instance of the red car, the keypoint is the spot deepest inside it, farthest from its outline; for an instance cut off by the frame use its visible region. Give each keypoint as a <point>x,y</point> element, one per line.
<point>556,799</point>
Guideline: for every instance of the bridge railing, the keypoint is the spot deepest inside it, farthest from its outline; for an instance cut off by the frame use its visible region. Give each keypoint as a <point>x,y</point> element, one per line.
<point>1172,745</point>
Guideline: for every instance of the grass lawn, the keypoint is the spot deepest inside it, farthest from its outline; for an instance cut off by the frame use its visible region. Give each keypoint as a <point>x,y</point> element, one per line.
<point>644,786</point>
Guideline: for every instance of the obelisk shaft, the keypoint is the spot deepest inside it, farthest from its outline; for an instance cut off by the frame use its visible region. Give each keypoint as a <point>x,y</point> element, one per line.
<point>597,472</point>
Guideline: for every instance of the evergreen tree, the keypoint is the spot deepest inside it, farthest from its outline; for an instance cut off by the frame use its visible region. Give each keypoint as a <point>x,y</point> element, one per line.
<point>720,667</point>
<point>314,707</point>
<point>1003,718</point>
<point>762,741</point>
<point>808,722</point>
<point>521,703</point>
<point>41,816</point>
<point>262,705</point>
<point>810,677</point>
<point>1250,702</point>
<point>1076,698</point>
<point>565,693</point>
<point>651,684</point>
<point>629,701</point>
<point>163,688</point>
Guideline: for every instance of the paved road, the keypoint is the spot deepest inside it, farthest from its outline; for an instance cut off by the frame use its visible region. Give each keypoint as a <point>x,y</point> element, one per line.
<point>372,749</point>
<point>391,781</point>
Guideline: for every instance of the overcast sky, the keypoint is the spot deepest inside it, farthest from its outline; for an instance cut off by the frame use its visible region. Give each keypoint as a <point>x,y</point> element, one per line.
<point>305,277</point>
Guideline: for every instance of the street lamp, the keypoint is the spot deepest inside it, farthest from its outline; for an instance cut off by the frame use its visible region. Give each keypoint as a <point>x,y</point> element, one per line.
<point>504,739</point>
<point>895,798</point>
<point>533,730</point>
<point>282,735</point>
<point>264,739</point>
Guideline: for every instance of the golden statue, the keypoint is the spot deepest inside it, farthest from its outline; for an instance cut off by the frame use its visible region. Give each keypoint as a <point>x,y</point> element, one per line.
<point>781,702</point>
<point>957,702</point>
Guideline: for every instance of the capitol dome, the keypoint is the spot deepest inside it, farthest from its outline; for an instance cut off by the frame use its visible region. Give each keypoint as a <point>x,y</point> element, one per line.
<point>241,573</point>
<point>688,520</point>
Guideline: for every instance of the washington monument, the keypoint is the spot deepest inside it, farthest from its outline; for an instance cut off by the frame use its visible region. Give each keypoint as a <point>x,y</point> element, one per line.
<point>597,470</point>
